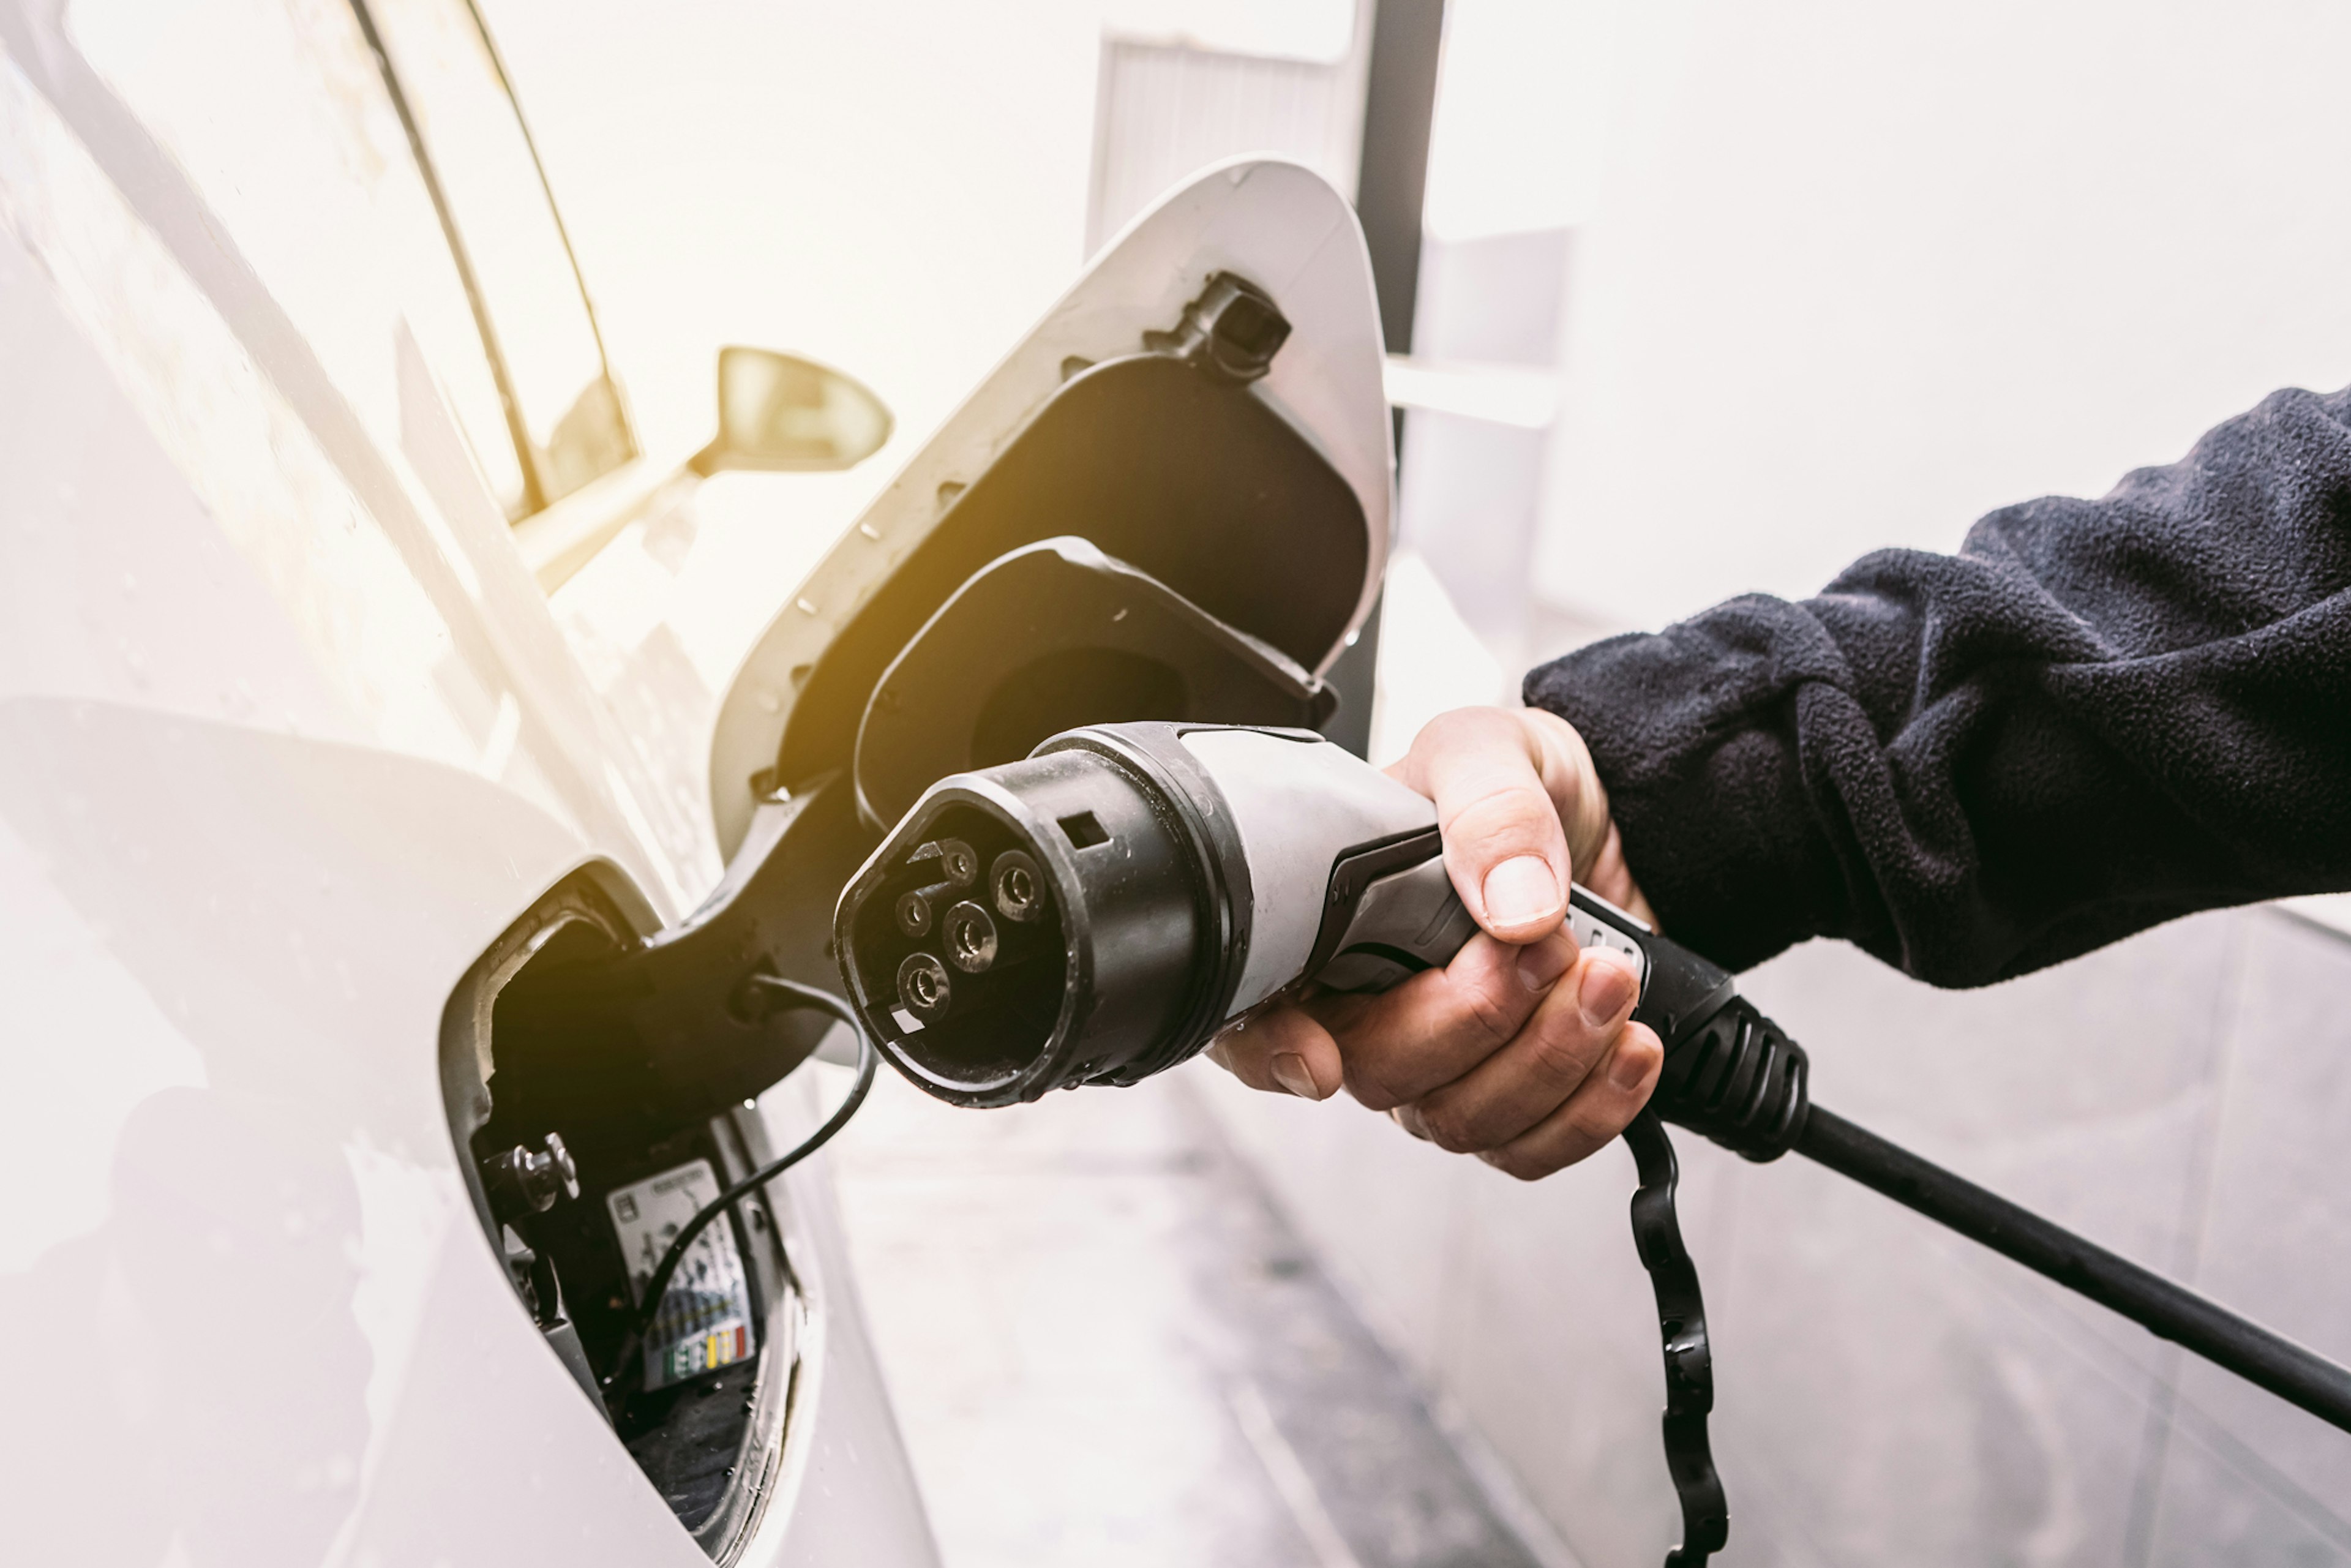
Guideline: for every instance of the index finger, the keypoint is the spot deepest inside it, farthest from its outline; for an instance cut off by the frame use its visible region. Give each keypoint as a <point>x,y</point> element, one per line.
<point>1397,1046</point>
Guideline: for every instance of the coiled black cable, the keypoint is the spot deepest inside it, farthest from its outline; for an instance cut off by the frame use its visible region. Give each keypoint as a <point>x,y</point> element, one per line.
<point>1689,1355</point>
<point>649,1304</point>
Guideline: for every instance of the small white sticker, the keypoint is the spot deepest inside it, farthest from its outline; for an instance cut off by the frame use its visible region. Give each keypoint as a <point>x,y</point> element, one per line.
<point>704,1321</point>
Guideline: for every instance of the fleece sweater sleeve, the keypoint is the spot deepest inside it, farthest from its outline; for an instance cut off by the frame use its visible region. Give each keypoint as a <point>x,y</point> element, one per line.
<point>2096,717</point>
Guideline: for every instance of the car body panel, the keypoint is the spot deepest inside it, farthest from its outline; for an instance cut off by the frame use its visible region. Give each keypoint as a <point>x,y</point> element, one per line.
<point>288,735</point>
<point>291,736</point>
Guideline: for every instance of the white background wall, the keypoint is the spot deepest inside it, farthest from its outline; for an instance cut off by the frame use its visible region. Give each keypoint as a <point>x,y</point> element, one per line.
<point>1852,274</point>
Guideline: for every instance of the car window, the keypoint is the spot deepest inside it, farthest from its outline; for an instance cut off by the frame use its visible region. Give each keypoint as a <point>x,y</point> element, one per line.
<point>276,112</point>
<point>564,404</point>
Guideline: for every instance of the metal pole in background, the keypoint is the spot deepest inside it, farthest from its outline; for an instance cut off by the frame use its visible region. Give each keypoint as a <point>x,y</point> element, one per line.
<point>1391,179</point>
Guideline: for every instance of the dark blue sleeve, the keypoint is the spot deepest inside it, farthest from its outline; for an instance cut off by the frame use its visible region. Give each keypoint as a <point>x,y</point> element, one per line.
<point>2096,717</point>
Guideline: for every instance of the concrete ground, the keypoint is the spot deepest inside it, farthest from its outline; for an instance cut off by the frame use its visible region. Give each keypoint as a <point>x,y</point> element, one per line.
<point>1106,1347</point>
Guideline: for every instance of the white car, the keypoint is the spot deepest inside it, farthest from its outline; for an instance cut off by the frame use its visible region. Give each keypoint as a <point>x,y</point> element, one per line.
<point>338,869</point>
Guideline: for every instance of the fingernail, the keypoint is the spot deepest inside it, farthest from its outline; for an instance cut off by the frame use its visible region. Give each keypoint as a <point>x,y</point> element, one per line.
<point>1521,890</point>
<point>1540,964</point>
<point>1606,990</point>
<point>1626,1068</point>
<point>1289,1070</point>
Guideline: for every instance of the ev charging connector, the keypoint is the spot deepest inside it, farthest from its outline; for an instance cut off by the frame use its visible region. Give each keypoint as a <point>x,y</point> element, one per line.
<point>1096,911</point>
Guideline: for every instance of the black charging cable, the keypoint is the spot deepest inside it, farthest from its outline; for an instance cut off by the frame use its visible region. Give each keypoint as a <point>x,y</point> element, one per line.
<point>1731,1075</point>
<point>649,1305</point>
<point>2260,1356</point>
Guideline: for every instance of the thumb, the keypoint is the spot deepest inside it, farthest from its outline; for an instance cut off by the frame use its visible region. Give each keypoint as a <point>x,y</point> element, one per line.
<point>1504,847</point>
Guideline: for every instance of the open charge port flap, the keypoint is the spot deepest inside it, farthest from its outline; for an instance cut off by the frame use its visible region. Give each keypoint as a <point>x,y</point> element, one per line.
<point>583,1166</point>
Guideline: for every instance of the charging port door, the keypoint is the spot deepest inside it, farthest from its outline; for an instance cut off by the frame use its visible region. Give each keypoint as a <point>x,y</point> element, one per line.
<point>1205,405</point>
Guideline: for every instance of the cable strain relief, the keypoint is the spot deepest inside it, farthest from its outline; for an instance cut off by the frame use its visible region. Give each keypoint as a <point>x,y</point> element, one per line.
<point>1735,1077</point>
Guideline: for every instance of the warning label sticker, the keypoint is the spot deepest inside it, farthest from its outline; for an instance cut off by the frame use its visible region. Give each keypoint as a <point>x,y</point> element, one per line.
<point>704,1321</point>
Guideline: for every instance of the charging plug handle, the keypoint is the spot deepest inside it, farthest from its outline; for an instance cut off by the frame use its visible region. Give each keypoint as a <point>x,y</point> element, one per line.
<point>1186,873</point>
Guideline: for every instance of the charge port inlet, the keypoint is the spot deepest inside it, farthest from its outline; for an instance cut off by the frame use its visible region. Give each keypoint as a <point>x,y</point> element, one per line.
<point>580,1178</point>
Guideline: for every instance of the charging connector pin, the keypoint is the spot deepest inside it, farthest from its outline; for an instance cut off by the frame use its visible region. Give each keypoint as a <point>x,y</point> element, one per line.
<point>1018,886</point>
<point>969,937</point>
<point>925,988</point>
<point>915,909</point>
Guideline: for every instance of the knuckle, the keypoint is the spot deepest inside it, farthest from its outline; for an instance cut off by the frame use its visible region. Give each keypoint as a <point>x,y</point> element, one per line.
<point>1563,1054</point>
<point>1593,1120</point>
<point>1449,1129</point>
<point>1456,727</point>
<point>1481,1008</point>
<point>1373,1094</point>
<point>1507,816</point>
<point>1517,1163</point>
<point>1371,1086</point>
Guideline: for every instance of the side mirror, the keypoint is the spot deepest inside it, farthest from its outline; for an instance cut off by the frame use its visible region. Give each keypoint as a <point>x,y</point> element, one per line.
<point>780,411</point>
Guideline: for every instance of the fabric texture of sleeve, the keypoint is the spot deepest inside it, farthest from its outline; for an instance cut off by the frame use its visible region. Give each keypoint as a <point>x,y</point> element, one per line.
<point>2096,717</point>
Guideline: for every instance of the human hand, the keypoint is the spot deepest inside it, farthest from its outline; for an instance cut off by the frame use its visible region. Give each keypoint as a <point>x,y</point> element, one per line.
<point>1519,1051</point>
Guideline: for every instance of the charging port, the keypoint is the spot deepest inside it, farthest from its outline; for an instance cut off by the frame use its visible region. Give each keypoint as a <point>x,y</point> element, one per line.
<point>581,1174</point>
